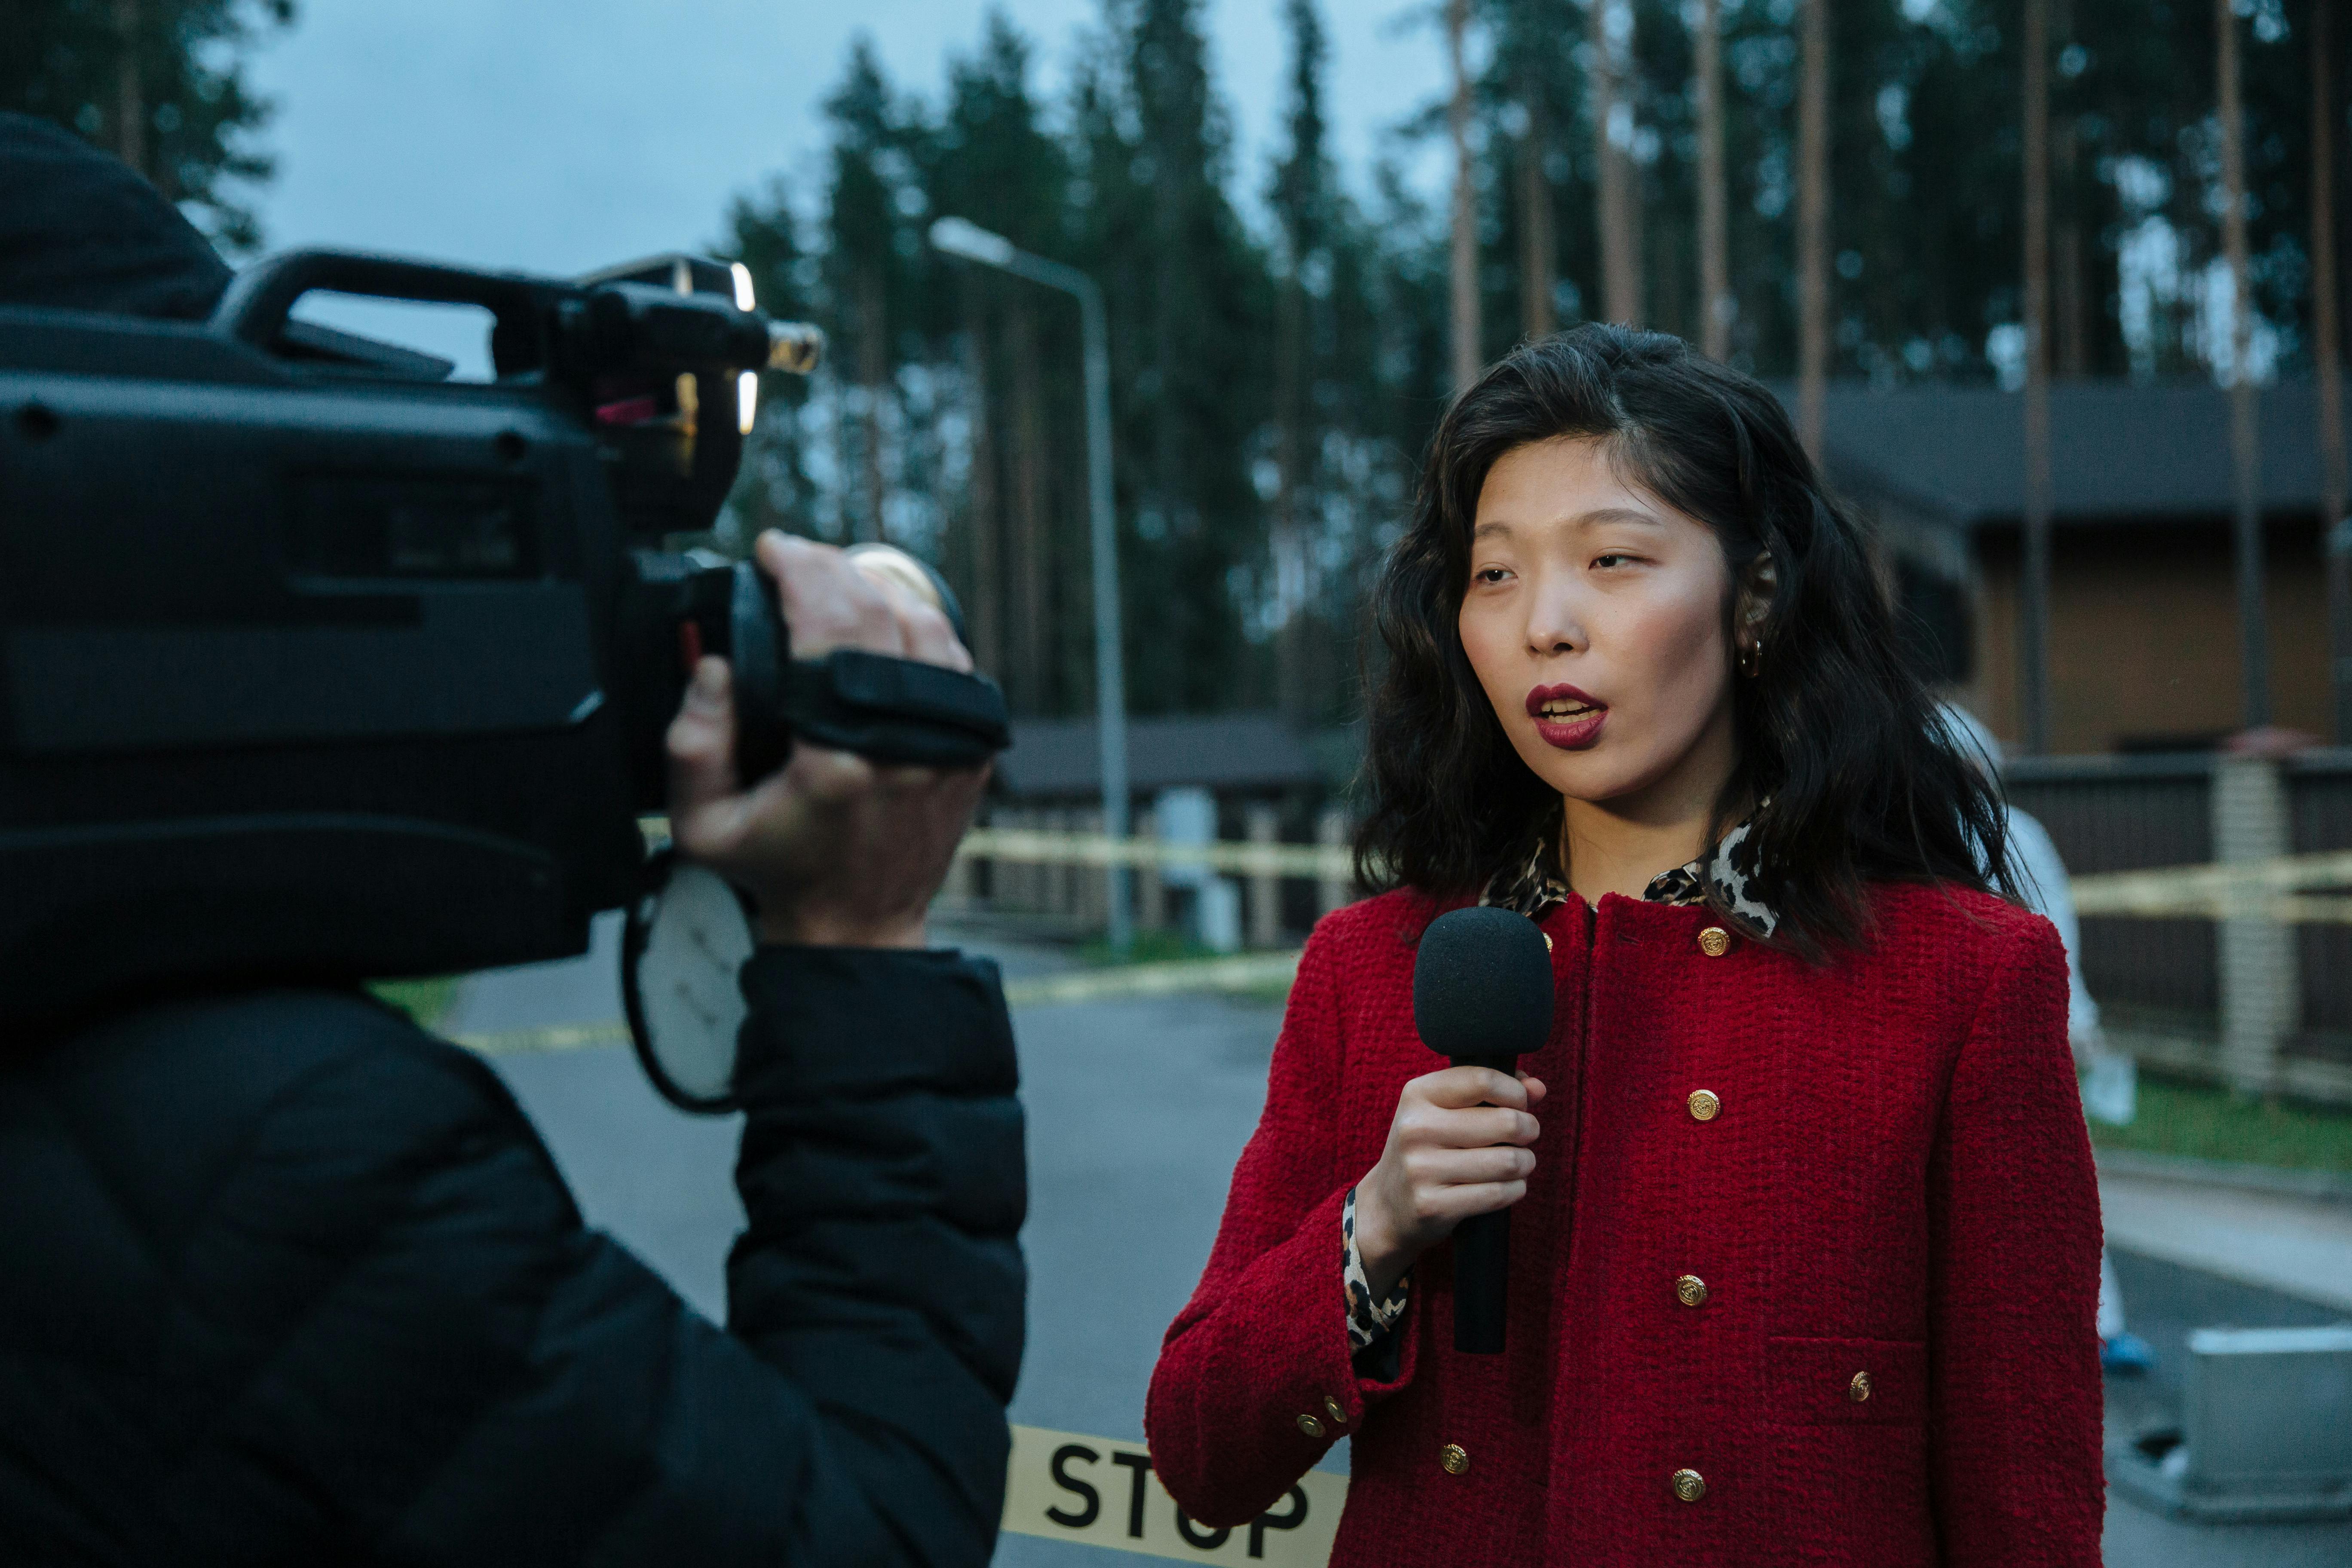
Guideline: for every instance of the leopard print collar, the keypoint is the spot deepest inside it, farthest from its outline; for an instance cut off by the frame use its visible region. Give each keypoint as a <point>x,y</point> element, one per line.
<point>1531,884</point>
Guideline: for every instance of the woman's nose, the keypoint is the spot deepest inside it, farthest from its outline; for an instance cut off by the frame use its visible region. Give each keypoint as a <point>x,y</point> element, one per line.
<point>1554,625</point>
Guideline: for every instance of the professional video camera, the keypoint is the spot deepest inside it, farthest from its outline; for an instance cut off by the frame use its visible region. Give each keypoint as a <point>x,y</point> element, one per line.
<point>317,663</point>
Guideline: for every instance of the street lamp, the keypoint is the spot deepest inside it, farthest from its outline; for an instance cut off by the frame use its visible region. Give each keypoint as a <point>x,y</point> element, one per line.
<point>969,241</point>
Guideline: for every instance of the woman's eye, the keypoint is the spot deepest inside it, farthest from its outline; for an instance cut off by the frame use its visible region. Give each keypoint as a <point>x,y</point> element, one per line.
<point>1490,574</point>
<point>1605,562</point>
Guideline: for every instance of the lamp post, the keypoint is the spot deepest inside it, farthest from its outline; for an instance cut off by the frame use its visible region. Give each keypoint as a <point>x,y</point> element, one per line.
<point>970,242</point>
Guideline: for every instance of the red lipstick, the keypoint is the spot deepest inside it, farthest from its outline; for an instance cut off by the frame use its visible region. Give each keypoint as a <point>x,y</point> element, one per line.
<point>1566,716</point>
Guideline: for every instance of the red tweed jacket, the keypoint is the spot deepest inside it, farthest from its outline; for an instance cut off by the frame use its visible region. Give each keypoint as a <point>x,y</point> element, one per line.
<point>1891,1194</point>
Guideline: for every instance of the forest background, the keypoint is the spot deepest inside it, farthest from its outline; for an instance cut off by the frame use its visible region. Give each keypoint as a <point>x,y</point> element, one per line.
<point>1280,334</point>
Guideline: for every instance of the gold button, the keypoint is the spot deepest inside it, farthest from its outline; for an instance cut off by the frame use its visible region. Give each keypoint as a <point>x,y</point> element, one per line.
<point>1547,936</point>
<point>1452,1459</point>
<point>1312,1427</point>
<point>1331,1408</point>
<point>1715,942</point>
<point>1703,1104</point>
<point>1859,1389</point>
<point>1689,1485</point>
<point>1691,1290</point>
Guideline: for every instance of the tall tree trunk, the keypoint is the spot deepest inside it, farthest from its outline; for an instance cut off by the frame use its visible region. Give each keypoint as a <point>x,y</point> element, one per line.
<point>1813,227</point>
<point>1032,607</point>
<point>1536,245</point>
<point>2070,288</point>
<point>130,101</point>
<point>2069,293</point>
<point>1716,306</point>
<point>1618,211</point>
<point>987,618</point>
<point>2326,352</point>
<point>1288,552</point>
<point>2246,433</point>
<point>1468,354</point>
<point>874,375</point>
<point>2034,622</point>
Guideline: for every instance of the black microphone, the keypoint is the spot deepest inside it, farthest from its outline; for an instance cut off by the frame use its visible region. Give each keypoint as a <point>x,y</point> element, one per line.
<point>1482,994</point>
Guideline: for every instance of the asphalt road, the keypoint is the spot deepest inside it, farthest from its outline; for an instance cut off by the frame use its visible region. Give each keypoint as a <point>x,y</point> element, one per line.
<point>1137,1111</point>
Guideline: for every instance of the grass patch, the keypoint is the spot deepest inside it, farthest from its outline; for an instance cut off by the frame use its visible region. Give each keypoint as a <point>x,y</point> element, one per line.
<point>424,1001</point>
<point>2209,1123</point>
<point>1151,947</point>
<point>1171,946</point>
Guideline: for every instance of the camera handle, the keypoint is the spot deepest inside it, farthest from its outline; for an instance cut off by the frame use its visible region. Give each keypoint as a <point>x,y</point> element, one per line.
<point>260,299</point>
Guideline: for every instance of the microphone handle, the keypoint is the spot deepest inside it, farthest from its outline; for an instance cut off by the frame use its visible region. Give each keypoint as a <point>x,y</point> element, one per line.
<point>1482,1260</point>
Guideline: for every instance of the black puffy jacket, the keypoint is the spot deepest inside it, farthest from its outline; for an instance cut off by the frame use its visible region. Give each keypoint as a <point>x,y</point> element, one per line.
<point>285,1280</point>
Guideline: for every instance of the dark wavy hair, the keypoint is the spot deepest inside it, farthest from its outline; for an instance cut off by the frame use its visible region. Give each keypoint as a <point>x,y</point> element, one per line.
<point>1844,763</point>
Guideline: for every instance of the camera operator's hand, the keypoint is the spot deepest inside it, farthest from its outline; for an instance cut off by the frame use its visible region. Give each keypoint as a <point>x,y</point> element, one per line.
<point>837,850</point>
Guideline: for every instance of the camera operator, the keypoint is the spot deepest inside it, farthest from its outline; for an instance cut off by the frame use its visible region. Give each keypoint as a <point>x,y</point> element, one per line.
<point>290,1281</point>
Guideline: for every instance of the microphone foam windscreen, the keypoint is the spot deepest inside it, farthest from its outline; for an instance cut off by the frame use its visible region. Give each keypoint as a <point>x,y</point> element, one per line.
<point>1482,985</point>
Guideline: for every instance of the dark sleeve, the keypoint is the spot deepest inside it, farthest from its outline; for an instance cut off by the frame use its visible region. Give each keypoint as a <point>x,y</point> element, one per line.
<point>499,1384</point>
<point>882,1172</point>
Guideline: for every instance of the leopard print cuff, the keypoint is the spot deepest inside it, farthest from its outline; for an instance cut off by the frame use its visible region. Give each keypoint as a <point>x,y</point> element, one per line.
<point>1368,1319</point>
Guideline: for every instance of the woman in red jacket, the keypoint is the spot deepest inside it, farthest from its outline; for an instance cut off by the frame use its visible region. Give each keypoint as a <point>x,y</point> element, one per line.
<point>1804,1250</point>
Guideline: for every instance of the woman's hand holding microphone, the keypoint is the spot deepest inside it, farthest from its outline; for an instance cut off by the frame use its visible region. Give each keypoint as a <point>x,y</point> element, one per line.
<point>1457,1147</point>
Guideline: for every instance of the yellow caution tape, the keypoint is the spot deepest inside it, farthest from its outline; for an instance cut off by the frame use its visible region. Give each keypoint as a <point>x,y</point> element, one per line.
<point>1067,1486</point>
<point>2258,889</point>
<point>1039,846</point>
<point>2261,889</point>
<point>2264,891</point>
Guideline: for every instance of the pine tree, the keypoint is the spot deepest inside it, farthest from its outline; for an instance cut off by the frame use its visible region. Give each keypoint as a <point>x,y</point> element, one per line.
<point>1188,301</point>
<point>1340,405</point>
<point>997,166</point>
<point>774,490</point>
<point>875,271</point>
<point>161,83</point>
<point>1301,194</point>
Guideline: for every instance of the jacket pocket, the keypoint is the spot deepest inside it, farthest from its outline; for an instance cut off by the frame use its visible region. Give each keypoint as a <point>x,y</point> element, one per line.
<point>1822,1383</point>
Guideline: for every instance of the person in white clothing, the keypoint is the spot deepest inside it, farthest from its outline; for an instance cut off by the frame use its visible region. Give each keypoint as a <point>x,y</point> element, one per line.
<point>2109,1083</point>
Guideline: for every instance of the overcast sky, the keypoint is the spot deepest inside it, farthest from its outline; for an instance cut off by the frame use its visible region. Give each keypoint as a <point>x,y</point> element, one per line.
<point>562,134</point>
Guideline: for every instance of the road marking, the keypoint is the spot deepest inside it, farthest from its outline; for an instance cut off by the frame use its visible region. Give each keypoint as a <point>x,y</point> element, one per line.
<point>1243,971</point>
<point>1068,1486</point>
<point>551,1038</point>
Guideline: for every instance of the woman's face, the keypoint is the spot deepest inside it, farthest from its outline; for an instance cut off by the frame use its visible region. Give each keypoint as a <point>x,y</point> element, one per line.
<point>1594,617</point>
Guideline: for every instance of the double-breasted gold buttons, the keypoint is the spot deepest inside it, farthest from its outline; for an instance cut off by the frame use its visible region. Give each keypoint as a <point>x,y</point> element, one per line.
<point>1690,1290</point>
<point>1715,942</point>
<point>1703,1104</point>
<point>1689,1485</point>
<point>1332,1408</point>
<point>1311,1426</point>
<point>1453,1458</point>
<point>1859,1389</point>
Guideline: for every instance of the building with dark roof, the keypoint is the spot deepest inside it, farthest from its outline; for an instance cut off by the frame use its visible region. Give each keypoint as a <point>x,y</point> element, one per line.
<point>2143,634</point>
<point>1232,755</point>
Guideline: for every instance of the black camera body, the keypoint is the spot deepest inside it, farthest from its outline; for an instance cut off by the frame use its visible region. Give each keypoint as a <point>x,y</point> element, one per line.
<point>315,663</point>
